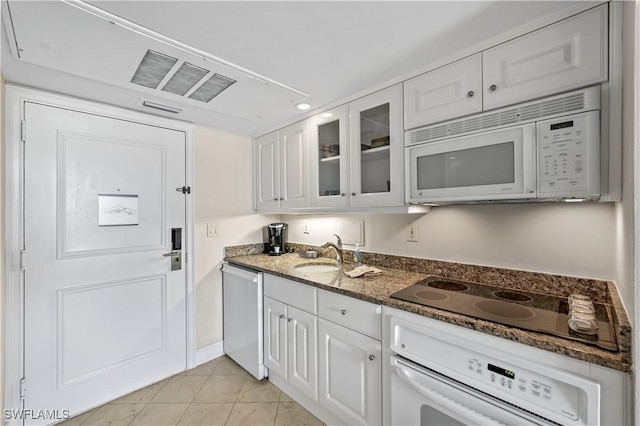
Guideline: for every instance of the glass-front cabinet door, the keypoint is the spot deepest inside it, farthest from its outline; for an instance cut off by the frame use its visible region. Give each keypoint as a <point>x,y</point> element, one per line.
<point>329,158</point>
<point>376,149</point>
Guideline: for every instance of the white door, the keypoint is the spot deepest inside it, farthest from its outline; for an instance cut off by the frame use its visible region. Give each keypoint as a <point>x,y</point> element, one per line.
<point>267,165</point>
<point>328,142</point>
<point>350,371</point>
<point>451,91</point>
<point>294,170</point>
<point>275,329</point>
<point>561,57</point>
<point>302,362</point>
<point>376,160</point>
<point>104,313</point>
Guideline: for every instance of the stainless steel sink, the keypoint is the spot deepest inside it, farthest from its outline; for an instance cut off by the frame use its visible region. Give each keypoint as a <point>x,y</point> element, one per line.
<point>317,268</point>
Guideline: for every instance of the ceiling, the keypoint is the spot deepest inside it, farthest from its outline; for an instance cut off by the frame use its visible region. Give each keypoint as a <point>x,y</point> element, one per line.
<point>276,54</point>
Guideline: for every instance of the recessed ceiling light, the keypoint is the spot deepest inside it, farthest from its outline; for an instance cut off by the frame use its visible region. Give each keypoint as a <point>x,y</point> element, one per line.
<point>303,106</point>
<point>327,115</point>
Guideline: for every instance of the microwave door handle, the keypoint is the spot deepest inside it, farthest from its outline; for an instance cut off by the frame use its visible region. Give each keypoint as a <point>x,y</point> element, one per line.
<point>453,409</point>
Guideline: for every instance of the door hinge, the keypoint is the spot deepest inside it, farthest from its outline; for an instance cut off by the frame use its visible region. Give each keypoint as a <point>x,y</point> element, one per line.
<point>184,190</point>
<point>23,130</point>
<point>23,388</point>
<point>23,259</point>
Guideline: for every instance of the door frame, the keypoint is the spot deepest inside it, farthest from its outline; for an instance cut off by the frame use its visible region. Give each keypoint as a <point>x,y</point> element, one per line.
<point>13,298</point>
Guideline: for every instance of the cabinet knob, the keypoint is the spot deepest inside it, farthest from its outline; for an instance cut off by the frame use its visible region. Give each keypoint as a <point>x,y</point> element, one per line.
<point>353,194</point>
<point>281,316</point>
<point>470,93</point>
<point>372,357</point>
<point>281,198</point>
<point>343,312</point>
<point>343,195</point>
<point>275,199</point>
<point>289,319</point>
<point>493,88</point>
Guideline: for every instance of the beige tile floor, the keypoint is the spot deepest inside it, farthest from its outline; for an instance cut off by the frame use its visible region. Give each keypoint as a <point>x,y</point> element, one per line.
<point>218,392</point>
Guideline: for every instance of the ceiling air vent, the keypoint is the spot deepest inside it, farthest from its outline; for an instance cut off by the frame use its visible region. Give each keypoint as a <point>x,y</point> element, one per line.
<point>184,79</point>
<point>212,88</point>
<point>152,69</point>
<point>156,67</point>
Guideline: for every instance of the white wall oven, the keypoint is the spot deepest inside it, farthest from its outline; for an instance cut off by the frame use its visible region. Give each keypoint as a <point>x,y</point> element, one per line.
<point>437,378</point>
<point>535,158</point>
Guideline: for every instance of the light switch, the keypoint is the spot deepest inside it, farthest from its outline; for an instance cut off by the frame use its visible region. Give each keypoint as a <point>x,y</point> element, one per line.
<point>213,230</point>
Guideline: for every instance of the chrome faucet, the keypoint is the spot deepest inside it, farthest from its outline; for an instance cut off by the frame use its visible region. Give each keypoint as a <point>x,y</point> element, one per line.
<point>337,247</point>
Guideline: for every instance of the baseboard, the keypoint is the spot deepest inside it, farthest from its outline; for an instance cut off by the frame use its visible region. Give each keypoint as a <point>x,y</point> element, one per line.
<point>209,352</point>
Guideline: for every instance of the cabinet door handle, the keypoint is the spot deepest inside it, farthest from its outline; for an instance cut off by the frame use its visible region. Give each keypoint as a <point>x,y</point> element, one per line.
<point>343,312</point>
<point>470,93</point>
<point>372,357</point>
<point>275,199</point>
<point>281,316</point>
<point>493,88</point>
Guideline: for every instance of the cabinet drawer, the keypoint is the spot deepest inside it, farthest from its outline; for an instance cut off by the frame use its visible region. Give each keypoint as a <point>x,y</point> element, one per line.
<point>301,296</point>
<point>363,317</point>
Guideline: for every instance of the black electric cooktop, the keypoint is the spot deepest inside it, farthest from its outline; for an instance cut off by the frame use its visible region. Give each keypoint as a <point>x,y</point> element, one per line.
<point>528,311</point>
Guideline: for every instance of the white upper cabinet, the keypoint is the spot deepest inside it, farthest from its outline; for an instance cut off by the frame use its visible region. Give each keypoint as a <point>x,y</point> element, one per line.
<point>564,56</point>
<point>329,158</point>
<point>294,173</point>
<point>266,168</point>
<point>376,160</point>
<point>281,172</point>
<point>451,91</point>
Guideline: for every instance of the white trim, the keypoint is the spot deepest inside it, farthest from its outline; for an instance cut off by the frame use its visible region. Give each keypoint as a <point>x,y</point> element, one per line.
<point>15,98</point>
<point>207,353</point>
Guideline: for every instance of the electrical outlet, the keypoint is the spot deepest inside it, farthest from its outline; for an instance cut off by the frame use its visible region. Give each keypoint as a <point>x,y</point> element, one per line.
<point>305,229</point>
<point>412,232</point>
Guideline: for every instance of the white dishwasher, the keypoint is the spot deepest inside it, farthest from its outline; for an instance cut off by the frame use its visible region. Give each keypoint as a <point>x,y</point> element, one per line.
<point>242,318</point>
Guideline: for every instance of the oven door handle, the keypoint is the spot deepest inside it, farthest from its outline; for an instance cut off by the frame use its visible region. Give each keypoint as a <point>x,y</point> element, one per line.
<point>417,381</point>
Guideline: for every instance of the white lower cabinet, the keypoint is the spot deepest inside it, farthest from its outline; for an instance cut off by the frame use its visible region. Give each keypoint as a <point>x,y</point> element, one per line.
<point>350,374</point>
<point>290,346</point>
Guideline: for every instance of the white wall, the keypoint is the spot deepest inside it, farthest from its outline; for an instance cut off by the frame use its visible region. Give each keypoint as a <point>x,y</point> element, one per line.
<point>223,188</point>
<point>567,239</point>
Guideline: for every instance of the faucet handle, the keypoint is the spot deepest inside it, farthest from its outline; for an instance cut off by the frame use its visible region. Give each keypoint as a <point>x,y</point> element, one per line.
<point>339,240</point>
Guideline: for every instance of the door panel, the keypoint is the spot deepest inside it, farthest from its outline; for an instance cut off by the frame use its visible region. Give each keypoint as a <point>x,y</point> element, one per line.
<point>275,344</point>
<point>301,335</point>
<point>104,313</point>
<point>85,166</point>
<point>351,374</point>
<point>561,57</point>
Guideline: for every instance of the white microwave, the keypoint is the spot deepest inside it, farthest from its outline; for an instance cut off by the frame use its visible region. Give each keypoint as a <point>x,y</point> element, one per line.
<point>545,160</point>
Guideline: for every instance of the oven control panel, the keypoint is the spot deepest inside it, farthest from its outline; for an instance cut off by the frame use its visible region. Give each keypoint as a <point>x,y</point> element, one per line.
<point>526,385</point>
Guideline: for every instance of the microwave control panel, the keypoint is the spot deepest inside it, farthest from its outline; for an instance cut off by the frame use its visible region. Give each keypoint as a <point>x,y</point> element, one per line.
<point>569,156</point>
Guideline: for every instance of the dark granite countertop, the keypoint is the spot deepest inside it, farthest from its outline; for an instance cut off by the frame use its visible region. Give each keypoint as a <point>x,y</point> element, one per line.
<point>378,288</point>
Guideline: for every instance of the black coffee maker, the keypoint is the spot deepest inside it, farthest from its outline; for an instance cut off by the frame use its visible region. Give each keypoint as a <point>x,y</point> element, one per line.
<point>277,238</point>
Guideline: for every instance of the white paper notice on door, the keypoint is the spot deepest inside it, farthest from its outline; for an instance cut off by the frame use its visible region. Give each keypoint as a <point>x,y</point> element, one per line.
<point>117,210</point>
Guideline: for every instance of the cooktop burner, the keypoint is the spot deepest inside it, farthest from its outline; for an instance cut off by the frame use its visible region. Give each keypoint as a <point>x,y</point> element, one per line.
<point>528,311</point>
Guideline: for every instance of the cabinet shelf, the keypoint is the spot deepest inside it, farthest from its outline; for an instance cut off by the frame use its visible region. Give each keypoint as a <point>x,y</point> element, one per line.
<point>330,159</point>
<point>373,154</point>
